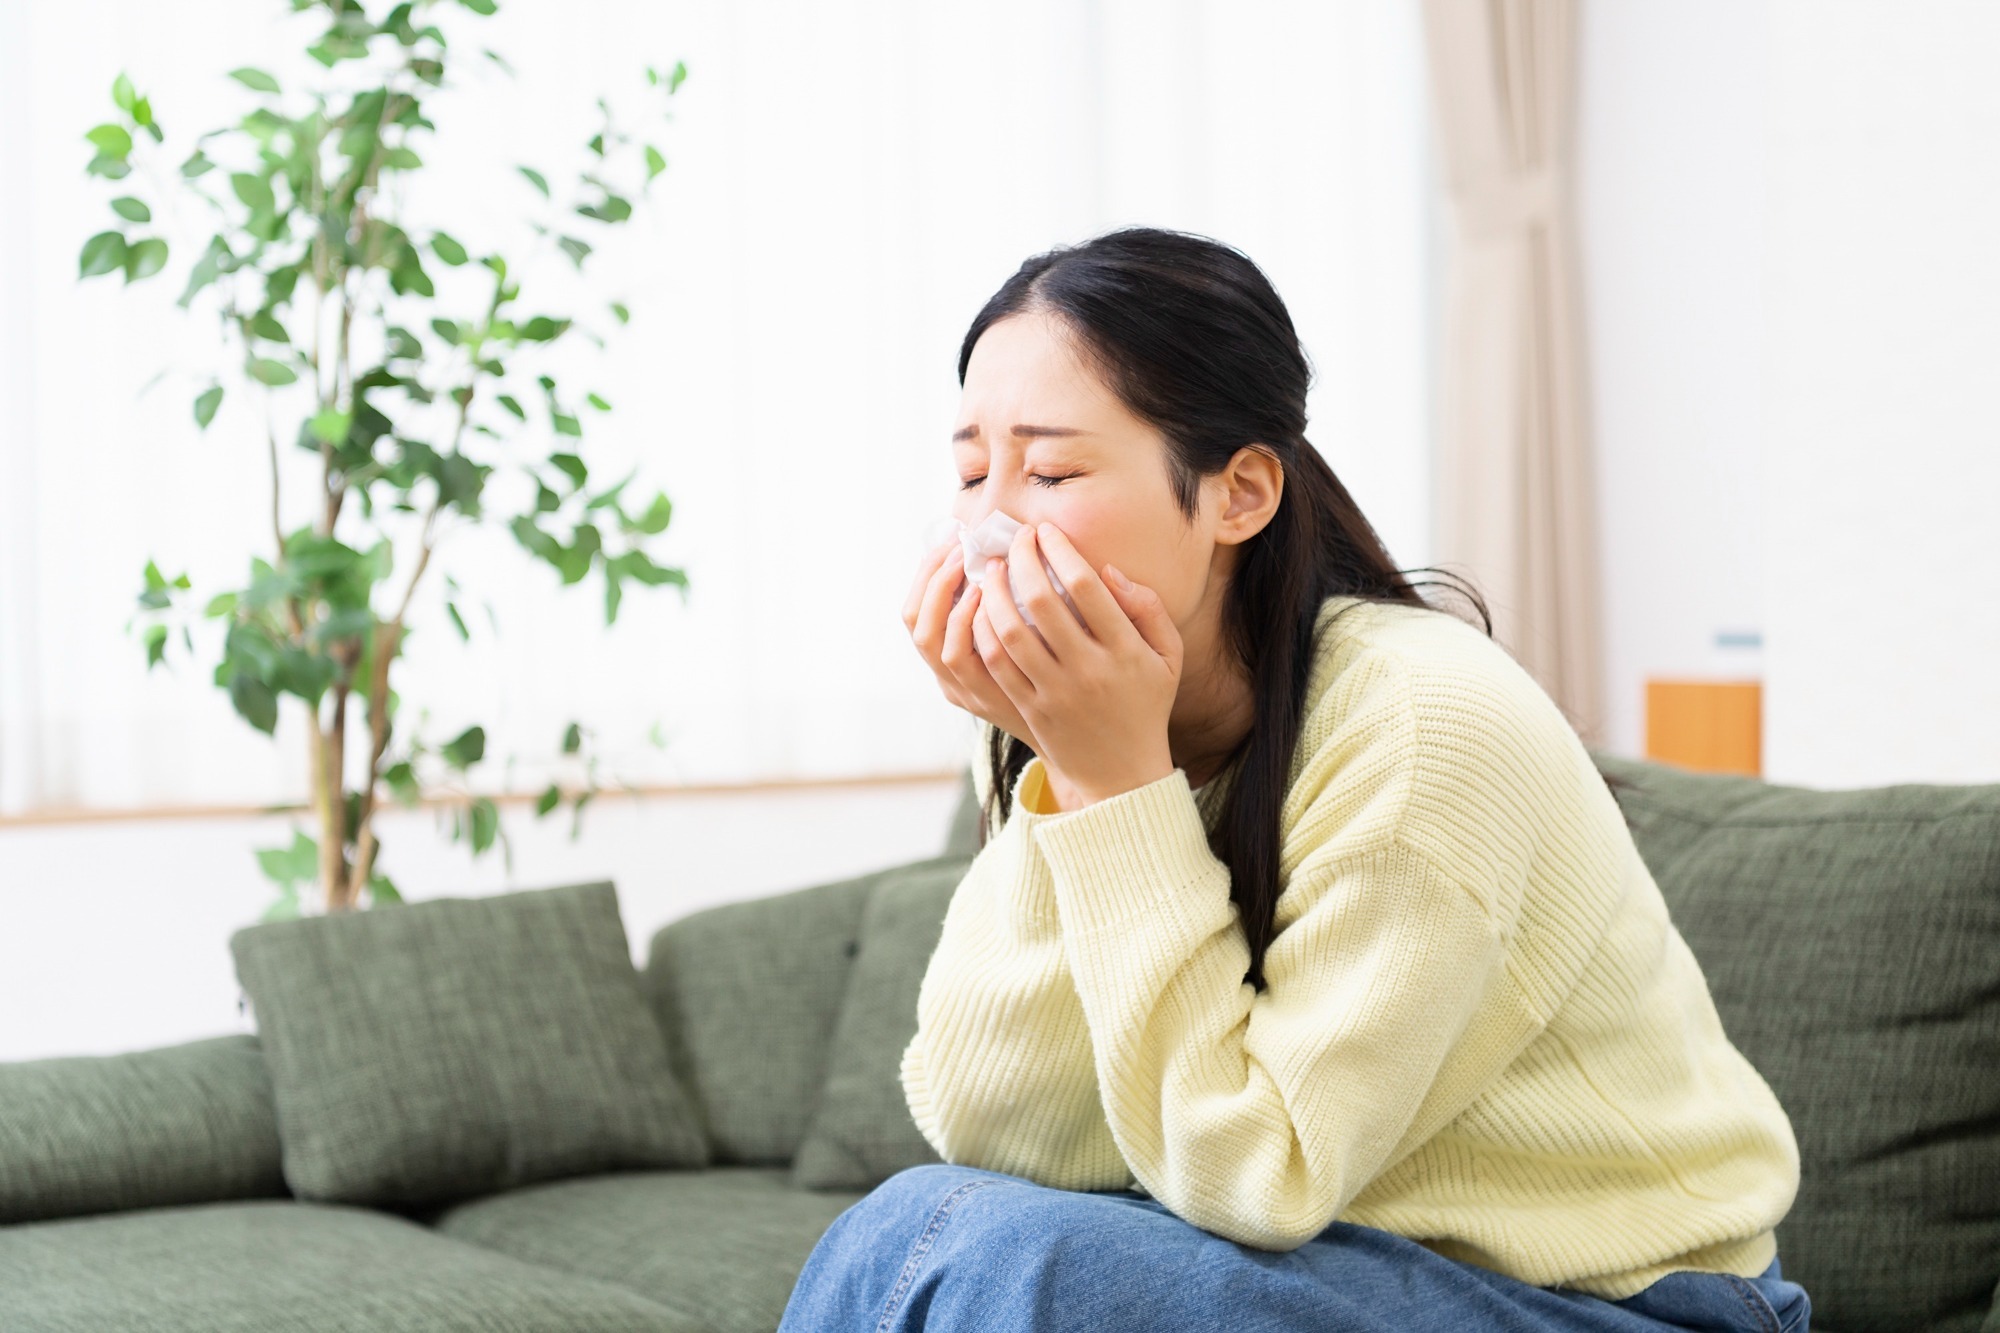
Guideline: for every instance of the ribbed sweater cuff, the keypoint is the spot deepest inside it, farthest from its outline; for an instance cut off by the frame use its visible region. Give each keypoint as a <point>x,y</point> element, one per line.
<point>1141,855</point>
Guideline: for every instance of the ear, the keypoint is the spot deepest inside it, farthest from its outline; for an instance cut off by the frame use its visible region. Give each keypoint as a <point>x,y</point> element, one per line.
<point>1255,482</point>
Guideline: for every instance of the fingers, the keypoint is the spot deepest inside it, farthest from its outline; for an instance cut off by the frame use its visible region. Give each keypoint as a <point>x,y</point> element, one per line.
<point>1101,611</point>
<point>926,570</point>
<point>1059,630</point>
<point>1027,654</point>
<point>994,654</point>
<point>933,606</point>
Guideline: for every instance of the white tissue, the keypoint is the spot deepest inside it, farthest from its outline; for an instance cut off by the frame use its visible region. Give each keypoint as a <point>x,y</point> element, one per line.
<point>993,536</point>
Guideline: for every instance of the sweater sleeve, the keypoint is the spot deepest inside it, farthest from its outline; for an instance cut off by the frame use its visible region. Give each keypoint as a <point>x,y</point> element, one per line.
<point>999,1072</point>
<point>1388,1002</point>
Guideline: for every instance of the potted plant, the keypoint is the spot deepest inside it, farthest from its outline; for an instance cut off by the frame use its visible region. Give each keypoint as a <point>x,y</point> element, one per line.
<point>408,388</point>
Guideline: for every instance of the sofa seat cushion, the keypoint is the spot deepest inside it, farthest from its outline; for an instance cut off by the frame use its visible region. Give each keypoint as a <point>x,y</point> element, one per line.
<point>279,1266</point>
<point>720,1247</point>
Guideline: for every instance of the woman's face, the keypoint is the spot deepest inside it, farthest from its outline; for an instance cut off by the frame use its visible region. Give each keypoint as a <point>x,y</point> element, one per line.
<point>1041,437</point>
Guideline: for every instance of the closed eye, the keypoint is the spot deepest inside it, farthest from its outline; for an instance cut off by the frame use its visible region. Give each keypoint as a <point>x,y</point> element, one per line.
<point>969,483</point>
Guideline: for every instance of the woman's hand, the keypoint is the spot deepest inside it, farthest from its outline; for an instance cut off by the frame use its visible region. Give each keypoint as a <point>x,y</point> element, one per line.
<point>943,635</point>
<point>1095,695</point>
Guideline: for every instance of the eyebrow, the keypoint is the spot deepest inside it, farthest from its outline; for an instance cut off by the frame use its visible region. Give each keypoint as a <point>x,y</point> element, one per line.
<point>1025,432</point>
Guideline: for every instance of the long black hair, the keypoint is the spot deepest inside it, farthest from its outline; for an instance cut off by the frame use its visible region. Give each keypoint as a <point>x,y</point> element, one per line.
<point>1193,339</point>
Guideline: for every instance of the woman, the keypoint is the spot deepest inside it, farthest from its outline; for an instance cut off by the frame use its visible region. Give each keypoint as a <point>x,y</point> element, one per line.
<point>1307,977</point>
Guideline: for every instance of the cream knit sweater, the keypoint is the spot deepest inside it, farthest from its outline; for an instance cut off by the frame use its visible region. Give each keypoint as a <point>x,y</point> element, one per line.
<point>1479,1029</point>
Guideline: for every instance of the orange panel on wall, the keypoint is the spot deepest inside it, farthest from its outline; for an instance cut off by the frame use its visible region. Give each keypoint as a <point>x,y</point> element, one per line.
<point>1711,726</point>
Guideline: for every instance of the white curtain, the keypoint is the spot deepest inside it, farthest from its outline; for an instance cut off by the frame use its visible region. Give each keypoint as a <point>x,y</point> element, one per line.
<point>848,180</point>
<point>1516,490</point>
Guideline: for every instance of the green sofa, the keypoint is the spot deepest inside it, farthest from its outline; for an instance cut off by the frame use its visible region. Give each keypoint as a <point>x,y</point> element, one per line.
<point>1851,940</point>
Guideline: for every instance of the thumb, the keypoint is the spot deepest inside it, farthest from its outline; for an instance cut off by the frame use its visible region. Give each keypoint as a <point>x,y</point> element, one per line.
<point>1148,614</point>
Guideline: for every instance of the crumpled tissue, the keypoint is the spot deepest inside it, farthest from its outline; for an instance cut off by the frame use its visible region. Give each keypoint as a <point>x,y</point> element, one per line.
<point>992,536</point>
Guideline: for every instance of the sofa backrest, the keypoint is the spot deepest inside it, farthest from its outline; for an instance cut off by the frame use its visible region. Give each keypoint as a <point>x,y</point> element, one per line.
<point>1851,941</point>
<point>178,1124</point>
<point>746,994</point>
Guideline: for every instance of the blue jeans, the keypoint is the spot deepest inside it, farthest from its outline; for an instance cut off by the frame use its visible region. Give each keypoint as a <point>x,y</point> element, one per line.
<point>957,1247</point>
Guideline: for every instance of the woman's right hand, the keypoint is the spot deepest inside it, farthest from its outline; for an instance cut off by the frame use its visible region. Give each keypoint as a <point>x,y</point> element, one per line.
<point>942,632</point>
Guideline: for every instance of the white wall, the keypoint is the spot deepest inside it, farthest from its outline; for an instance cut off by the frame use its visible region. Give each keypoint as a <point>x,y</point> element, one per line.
<point>1671,163</point>
<point>1793,295</point>
<point>1882,540</point>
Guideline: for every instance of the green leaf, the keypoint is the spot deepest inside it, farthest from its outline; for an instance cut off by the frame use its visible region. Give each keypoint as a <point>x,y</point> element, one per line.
<point>620,312</point>
<point>402,780</point>
<point>400,158</point>
<point>615,208</point>
<point>543,329</point>
<point>145,259</point>
<point>122,94</point>
<point>255,701</point>
<point>512,404</point>
<point>572,467</point>
<point>536,179</point>
<point>574,248</point>
<point>382,892</point>
<point>466,748</point>
<point>548,800</point>
<point>293,865</point>
<point>205,405</point>
<point>655,519</point>
<point>132,210</point>
<point>331,426</point>
<point>534,539</point>
<point>566,424</point>
<point>679,75</point>
<point>486,7</point>
<point>655,163</point>
<point>254,191</point>
<point>266,371</point>
<point>254,79</point>
<point>572,740</point>
<point>638,565</point>
<point>196,165</point>
<point>597,402</point>
<point>265,325</point>
<point>448,330</point>
<point>457,621</point>
<point>485,823</point>
<point>447,249</point>
<point>222,604</point>
<point>156,645</point>
<point>403,345</point>
<point>111,140</point>
<point>102,253</point>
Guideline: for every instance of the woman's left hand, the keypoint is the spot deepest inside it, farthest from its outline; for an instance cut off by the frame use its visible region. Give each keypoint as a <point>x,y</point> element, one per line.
<point>1096,694</point>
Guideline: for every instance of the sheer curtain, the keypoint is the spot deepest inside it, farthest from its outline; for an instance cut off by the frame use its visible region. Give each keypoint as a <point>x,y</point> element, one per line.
<point>1516,492</point>
<point>847,181</point>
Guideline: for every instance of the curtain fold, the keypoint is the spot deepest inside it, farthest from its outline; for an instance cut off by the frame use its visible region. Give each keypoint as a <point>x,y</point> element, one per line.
<point>1515,494</point>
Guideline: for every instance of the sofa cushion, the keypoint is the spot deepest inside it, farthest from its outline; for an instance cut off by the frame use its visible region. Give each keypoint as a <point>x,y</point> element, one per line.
<point>459,1046</point>
<point>747,993</point>
<point>721,1248</point>
<point>862,1132</point>
<point>282,1266</point>
<point>1851,940</point>
<point>96,1133</point>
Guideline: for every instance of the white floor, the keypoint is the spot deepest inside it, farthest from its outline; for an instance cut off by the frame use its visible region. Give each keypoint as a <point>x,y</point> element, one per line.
<point>115,936</point>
